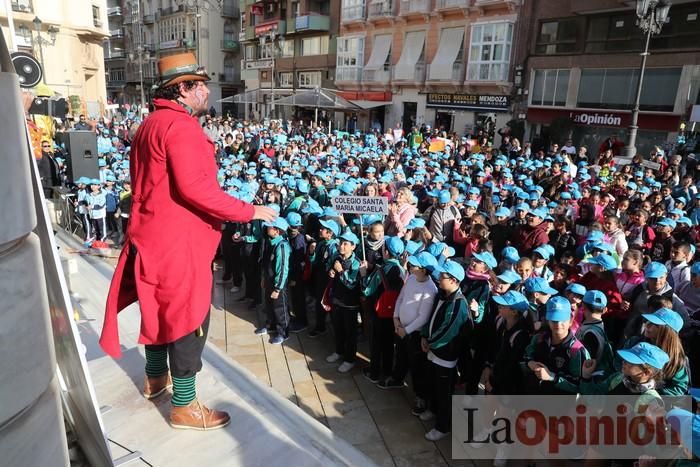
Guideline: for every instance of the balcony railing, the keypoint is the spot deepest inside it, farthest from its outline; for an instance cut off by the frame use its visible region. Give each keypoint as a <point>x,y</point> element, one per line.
<point>149,19</point>
<point>417,77</point>
<point>116,33</point>
<point>382,75</point>
<point>114,11</point>
<point>22,6</point>
<point>382,9</point>
<point>457,73</point>
<point>415,7</point>
<point>353,13</point>
<point>114,54</point>
<point>230,45</point>
<point>310,23</point>
<point>451,4</point>
<point>348,73</point>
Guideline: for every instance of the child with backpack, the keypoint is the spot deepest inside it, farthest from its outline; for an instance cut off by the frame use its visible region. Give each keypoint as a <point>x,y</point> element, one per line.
<point>383,285</point>
<point>554,358</point>
<point>321,254</point>
<point>591,333</point>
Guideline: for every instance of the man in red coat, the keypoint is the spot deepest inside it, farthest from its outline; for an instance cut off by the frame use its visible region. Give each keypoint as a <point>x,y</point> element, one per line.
<point>533,234</point>
<point>174,231</point>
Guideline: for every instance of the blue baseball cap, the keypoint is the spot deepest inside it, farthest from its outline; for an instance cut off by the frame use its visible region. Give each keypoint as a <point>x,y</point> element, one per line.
<point>471,204</point>
<point>452,268</point>
<point>540,285</point>
<point>279,223</point>
<point>558,309</point>
<point>502,212</point>
<point>350,237</point>
<point>544,251</point>
<point>665,317</point>
<point>294,219</point>
<point>487,258</point>
<point>330,225</point>
<point>539,212</point>
<point>415,223</point>
<point>687,425</point>
<point>595,298</point>
<point>395,246</point>
<point>423,260</point>
<point>512,299</point>
<point>412,247</point>
<point>577,289</point>
<point>509,277</point>
<point>645,354</point>
<point>666,222</point>
<point>607,262</point>
<point>695,269</point>
<point>511,254</point>
<point>444,197</point>
<point>654,270</point>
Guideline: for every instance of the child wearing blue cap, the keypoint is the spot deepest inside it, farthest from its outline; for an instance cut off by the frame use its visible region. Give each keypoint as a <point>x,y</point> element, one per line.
<point>554,358</point>
<point>506,346</point>
<point>345,301</point>
<point>97,208</point>
<point>321,253</point>
<point>297,262</point>
<point>383,286</point>
<point>412,311</point>
<point>661,329</point>
<point>591,333</point>
<point>275,277</point>
<point>443,340</point>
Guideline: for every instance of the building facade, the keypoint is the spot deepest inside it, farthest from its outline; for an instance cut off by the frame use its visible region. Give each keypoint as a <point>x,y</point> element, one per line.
<point>443,63</point>
<point>289,45</point>
<point>68,43</point>
<point>581,67</point>
<point>142,31</point>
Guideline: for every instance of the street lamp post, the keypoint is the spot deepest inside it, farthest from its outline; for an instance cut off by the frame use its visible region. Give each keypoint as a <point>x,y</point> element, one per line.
<point>53,31</point>
<point>651,16</point>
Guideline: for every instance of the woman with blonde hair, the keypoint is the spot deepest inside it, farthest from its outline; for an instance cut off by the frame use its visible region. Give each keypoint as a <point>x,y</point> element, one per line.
<point>401,212</point>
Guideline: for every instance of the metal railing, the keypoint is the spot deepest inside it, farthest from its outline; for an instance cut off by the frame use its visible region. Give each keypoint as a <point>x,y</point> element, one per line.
<point>380,9</point>
<point>148,19</point>
<point>447,4</point>
<point>457,72</point>
<point>382,75</point>
<point>353,13</point>
<point>415,7</point>
<point>348,73</point>
<point>114,11</point>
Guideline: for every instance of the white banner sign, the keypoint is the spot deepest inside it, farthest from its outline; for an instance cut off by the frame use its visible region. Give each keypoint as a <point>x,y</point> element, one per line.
<point>695,114</point>
<point>361,204</point>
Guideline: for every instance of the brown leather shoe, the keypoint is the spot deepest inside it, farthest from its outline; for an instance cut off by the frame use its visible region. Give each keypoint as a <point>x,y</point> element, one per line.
<point>154,386</point>
<point>196,416</point>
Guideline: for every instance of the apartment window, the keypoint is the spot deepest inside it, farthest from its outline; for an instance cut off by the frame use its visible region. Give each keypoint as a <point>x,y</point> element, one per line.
<point>682,29</point>
<point>314,46</point>
<point>615,88</point>
<point>550,87</point>
<point>250,52</point>
<point>613,33</point>
<point>350,52</point>
<point>287,48</point>
<point>557,37</point>
<point>353,10</point>
<point>286,80</point>
<point>116,74</point>
<point>489,53</point>
<point>295,9</point>
<point>309,79</point>
<point>96,19</point>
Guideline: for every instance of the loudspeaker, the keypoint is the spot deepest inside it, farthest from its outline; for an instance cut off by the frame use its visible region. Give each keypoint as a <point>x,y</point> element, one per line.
<point>45,106</point>
<point>81,146</point>
<point>28,69</point>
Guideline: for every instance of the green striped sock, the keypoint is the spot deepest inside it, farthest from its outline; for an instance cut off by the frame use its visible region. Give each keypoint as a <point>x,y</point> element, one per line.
<point>183,391</point>
<point>156,362</point>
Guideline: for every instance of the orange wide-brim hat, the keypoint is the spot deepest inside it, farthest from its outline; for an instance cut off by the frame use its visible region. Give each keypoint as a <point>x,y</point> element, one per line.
<point>174,69</point>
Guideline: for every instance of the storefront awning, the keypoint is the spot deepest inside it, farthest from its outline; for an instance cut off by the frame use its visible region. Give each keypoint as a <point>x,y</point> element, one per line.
<point>412,49</point>
<point>370,104</point>
<point>380,52</point>
<point>450,43</point>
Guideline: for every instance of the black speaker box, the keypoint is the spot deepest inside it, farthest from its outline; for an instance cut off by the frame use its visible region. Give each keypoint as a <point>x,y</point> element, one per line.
<point>81,146</point>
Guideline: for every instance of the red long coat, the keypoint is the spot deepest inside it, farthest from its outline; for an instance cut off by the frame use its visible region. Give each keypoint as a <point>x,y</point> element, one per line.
<point>175,226</point>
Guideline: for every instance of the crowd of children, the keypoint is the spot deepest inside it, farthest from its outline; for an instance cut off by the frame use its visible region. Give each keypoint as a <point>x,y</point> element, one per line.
<point>507,270</point>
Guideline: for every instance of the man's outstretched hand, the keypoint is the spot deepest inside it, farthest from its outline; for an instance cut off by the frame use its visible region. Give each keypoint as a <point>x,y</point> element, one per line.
<point>264,213</point>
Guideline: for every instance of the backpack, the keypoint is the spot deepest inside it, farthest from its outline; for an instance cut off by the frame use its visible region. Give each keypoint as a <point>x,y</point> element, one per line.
<point>387,300</point>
